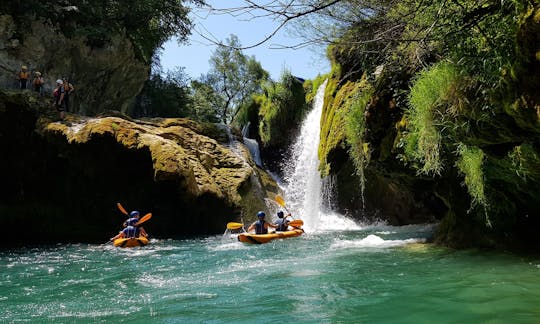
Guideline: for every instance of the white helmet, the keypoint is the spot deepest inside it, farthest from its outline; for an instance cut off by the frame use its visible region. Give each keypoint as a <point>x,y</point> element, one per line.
<point>59,81</point>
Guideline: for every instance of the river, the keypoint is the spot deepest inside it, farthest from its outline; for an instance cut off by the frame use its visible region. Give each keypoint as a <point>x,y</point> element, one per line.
<point>375,274</point>
<point>339,271</point>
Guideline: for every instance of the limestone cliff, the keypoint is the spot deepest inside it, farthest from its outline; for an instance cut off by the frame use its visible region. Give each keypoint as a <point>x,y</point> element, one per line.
<point>61,180</point>
<point>105,78</point>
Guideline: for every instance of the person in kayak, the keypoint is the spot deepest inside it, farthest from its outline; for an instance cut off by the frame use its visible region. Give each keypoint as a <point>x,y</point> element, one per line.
<point>133,218</point>
<point>131,230</point>
<point>282,223</point>
<point>261,226</point>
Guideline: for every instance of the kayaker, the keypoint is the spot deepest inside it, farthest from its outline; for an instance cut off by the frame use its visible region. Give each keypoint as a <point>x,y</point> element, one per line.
<point>133,218</point>
<point>282,223</point>
<point>261,226</point>
<point>130,231</point>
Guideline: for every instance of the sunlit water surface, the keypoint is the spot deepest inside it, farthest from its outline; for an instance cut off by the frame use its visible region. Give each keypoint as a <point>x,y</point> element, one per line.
<point>372,274</point>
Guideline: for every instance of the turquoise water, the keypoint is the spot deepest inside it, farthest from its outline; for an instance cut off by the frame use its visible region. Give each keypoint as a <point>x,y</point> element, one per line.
<point>371,275</point>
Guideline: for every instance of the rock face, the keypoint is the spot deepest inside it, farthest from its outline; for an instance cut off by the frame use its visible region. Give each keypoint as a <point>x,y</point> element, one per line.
<point>104,78</point>
<point>469,158</point>
<point>62,179</point>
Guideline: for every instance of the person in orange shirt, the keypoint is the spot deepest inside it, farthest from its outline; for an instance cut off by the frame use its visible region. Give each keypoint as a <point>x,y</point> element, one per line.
<point>23,76</point>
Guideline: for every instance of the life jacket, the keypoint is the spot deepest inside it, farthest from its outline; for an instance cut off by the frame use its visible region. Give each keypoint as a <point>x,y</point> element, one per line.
<point>282,225</point>
<point>260,228</point>
<point>131,231</point>
<point>24,75</point>
<point>131,221</point>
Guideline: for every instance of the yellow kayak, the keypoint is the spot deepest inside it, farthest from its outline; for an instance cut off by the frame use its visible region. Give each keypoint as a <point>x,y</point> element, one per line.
<point>265,238</point>
<point>131,241</point>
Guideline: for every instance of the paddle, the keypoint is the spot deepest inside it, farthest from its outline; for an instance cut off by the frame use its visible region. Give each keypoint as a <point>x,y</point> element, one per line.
<point>281,202</point>
<point>144,219</point>
<point>296,223</point>
<point>122,209</point>
<point>234,226</point>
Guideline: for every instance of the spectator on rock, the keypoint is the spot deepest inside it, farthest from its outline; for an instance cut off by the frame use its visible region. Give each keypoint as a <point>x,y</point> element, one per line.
<point>23,76</point>
<point>68,87</point>
<point>59,94</point>
<point>38,83</point>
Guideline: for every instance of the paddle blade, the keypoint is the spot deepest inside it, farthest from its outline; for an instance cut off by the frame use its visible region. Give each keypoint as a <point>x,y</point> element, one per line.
<point>296,223</point>
<point>119,205</point>
<point>233,225</point>
<point>144,219</point>
<point>280,200</point>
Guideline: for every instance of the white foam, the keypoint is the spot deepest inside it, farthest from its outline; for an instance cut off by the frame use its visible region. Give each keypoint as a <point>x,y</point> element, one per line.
<point>374,241</point>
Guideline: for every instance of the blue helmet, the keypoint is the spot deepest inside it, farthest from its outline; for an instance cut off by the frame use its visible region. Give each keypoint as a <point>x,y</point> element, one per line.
<point>134,213</point>
<point>261,214</point>
<point>280,214</point>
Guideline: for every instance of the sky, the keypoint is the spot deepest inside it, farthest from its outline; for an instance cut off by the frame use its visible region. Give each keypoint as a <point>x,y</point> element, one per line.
<point>306,63</point>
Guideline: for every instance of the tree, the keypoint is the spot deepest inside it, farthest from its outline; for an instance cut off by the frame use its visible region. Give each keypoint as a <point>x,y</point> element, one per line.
<point>147,23</point>
<point>234,77</point>
<point>167,96</point>
<point>205,102</point>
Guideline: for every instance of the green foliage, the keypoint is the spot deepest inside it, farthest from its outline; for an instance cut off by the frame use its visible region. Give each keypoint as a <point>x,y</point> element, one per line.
<point>425,116</point>
<point>234,76</point>
<point>470,164</point>
<point>164,97</point>
<point>249,112</point>
<point>282,106</point>
<point>205,102</point>
<point>311,87</point>
<point>525,162</point>
<point>147,23</point>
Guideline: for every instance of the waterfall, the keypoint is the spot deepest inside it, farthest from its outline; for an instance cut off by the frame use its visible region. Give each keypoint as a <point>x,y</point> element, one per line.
<point>304,186</point>
<point>252,145</point>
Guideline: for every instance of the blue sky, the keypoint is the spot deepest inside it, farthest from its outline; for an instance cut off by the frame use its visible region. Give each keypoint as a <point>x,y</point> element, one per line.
<point>306,63</point>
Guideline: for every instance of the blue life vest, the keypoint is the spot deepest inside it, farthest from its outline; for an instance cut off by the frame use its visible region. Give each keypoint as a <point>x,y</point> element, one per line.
<point>259,227</point>
<point>131,221</point>
<point>131,231</point>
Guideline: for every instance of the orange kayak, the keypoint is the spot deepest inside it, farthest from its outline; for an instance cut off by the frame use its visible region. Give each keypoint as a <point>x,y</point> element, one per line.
<point>265,238</point>
<point>131,241</point>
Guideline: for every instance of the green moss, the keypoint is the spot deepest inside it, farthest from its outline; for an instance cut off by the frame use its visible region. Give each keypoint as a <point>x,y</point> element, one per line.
<point>343,121</point>
<point>470,165</point>
<point>429,92</point>
<point>311,87</point>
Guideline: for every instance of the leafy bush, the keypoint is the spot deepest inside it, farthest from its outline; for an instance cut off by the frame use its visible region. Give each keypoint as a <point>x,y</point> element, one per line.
<point>281,108</point>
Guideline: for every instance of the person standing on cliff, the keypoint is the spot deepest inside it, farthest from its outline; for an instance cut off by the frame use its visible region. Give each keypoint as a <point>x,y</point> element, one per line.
<point>68,87</point>
<point>38,82</point>
<point>59,94</point>
<point>23,77</point>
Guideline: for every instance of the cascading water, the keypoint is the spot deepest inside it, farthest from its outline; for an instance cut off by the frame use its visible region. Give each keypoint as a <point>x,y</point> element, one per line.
<point>252,146</point>
<point>303,182</point>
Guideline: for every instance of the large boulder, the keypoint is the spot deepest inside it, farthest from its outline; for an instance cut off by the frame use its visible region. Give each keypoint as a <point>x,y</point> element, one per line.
<point>62,179</point>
